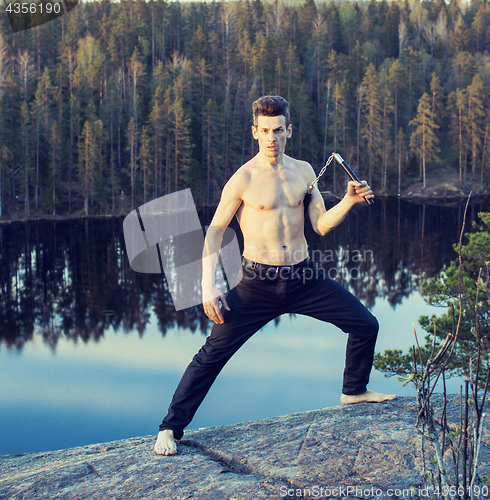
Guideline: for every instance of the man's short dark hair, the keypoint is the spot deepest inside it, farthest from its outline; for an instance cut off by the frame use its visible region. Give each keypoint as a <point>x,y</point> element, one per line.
<point>271,105</point>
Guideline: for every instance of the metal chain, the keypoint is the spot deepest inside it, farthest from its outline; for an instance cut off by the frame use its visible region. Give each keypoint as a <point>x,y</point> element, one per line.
<point>322,171</point>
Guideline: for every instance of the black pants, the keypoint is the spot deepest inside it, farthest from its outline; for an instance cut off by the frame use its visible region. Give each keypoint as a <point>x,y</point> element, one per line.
<point>263,294</point>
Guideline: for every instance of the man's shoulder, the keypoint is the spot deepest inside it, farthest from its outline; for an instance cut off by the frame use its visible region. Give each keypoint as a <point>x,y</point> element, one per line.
<point>301,163</point>
<point>303,167</point>
<point>241,174</point>
<point>238,182</point>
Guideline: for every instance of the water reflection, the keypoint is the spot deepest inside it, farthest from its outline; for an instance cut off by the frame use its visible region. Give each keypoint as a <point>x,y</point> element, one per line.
<point>72,278</point>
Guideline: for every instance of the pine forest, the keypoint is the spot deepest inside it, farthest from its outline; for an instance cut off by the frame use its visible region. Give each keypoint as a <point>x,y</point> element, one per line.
<point>117,103</point>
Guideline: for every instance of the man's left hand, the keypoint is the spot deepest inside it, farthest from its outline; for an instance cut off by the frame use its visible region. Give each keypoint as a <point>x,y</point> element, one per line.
<point>359,191</point>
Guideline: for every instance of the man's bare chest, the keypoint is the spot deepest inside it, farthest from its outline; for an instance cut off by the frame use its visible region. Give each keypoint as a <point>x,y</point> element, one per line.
<point>274,192</point>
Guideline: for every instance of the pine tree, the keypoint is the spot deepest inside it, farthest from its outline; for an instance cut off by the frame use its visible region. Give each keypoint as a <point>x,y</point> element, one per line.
<point>357,62</point>
<point>86,162</point>
<point>26,72</point>
<point>89,62</point>
<point>43,102</point>
<point>349,17</point>
<point>55,157</point>
<point>484,152</point>
<point>463,69</point>
<point>293,70</point>
<point>359,98</point>
<point>387,143</point>
<point>390,28</point>
<point>411,60</point>
<point>307,16</point>
<point>182,143</point>
<point>132,135</point>
<point>424,141</point>
<point>457,106</point>
<point>401,151</point>
<point>25,154</point>
<point>157,123</point>
<point>259,61</point>
<point>145,161</point>
<point>215,123</point>
<point>319,55</point>
<point>397,78</point>
<point>476,118</point>
<point>136,74</point>
<point>335,65</point>
<point>437,107</point>
<point>479,26</point>
<point>372,118</point>
<point>244,47</point>
<point>198,44</point>
<point>461,40</point>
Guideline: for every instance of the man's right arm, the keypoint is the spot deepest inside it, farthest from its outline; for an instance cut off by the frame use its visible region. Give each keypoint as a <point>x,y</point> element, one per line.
<point>231,199</point>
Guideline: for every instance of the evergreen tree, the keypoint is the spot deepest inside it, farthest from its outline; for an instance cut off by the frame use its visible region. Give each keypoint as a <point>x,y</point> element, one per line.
<point>214,151</point>
<point>476,119</point>
<point>461,40</point>
<point>411,60</point>
<point>387,143</point>
<point>25,155</point>
<point>55,163</point>
<point>89,160</point>
<point>136,74</point>
<point>43,102</point>
<point>293,71</point>
<point>145,161</point>
<point>437,106</point>
<point>424,141</point>
<point>463,69</point>
<point>132,135</point>
<point>372,119</point>
<point>479,27</point>
<point>397,78</point>
<point>401,154</point>
<point>182,143</point>
<point>320,46</point>
<point>157,124</point>
<point>457,105</point>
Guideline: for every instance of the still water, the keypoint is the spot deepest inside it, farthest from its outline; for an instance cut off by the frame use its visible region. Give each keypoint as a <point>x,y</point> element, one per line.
<point>91,351</point>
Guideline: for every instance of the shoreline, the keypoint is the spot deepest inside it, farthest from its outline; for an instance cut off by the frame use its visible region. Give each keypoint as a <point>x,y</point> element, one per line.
<point>418,197</point>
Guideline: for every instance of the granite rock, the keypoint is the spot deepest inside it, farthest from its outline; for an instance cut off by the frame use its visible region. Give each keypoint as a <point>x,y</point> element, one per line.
<point>357,451</point>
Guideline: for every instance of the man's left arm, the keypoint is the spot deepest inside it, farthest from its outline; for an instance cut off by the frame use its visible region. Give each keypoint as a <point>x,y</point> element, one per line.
<point>323,220</point>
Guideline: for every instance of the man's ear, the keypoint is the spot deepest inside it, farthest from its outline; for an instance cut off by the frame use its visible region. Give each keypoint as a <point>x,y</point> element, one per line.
<point>254,132</point>
<point>290,131</point>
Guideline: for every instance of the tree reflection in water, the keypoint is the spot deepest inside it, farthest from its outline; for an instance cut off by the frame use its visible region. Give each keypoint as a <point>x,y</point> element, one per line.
<point>72,278</point>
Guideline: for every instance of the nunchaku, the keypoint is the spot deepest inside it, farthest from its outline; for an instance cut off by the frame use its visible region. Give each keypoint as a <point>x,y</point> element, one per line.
<point>347,169</point>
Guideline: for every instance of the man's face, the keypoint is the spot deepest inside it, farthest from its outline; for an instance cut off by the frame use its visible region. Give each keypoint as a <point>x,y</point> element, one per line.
<point>272,134</point>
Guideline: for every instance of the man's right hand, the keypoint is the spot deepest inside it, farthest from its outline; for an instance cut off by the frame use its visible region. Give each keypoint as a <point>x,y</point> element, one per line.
<point>211,306</point>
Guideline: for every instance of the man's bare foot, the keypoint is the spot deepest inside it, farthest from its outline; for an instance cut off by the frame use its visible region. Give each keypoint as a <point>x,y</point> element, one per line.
<point>366,397</point>
<point>165,444</point>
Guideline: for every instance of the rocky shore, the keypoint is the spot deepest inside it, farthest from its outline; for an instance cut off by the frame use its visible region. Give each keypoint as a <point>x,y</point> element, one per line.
<point>358,451</point>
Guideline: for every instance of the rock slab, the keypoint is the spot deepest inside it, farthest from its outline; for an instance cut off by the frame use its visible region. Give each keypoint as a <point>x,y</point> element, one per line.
<point>358,451</point>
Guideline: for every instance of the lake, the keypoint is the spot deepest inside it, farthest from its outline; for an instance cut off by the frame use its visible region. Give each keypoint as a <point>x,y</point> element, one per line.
<point>91,351</point>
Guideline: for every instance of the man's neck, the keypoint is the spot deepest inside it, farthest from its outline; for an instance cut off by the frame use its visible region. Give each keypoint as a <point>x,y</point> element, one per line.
<point>273,162</point>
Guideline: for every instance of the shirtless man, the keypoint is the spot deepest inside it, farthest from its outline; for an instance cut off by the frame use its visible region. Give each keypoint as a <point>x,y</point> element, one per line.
<point>267,196</point>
